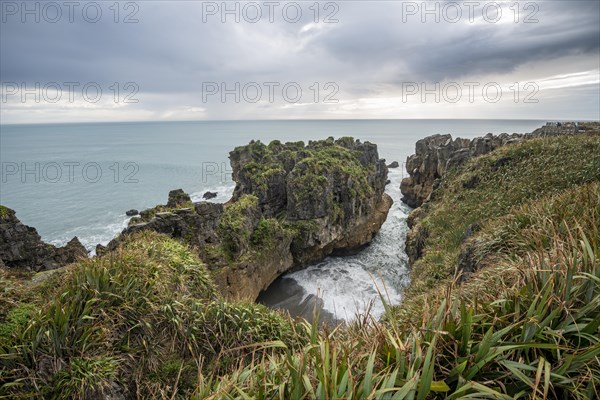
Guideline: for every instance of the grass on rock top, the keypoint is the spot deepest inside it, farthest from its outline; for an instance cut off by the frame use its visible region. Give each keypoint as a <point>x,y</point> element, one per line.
<point>4,212</point>
<point>318,160</point>
<point>490,186</point>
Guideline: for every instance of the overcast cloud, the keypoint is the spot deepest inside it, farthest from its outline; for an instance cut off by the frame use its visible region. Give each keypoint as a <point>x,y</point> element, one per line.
<point>359,59</point>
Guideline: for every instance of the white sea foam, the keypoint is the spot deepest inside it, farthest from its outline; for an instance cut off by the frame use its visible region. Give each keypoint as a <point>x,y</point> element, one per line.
<point>347,285</point>
<point>108,227</point>
<point>95,233</point>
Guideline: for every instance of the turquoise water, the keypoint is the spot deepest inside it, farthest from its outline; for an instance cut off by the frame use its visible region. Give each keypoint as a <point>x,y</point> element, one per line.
<point>79,179</point>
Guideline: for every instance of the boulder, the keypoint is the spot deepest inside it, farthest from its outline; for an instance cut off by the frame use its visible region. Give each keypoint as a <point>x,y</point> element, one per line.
<point>209,195</point>
<point>393,164</point>
<point>132,212</point>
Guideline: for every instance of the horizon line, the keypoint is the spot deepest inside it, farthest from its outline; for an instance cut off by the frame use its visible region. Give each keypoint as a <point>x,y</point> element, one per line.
<point>301,120</point>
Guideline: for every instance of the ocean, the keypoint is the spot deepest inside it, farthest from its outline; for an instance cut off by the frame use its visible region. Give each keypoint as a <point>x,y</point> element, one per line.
<point>79,180</point>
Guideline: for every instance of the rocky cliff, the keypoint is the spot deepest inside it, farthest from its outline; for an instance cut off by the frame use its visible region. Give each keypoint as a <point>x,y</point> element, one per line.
<point>22,247</point>
<point>483,178</point>
<point>293,204</point>
<point>434,155</point>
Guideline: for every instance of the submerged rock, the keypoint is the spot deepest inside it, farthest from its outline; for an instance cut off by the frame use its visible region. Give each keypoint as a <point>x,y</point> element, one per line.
<point>209,195</point>
<point>22,247</point>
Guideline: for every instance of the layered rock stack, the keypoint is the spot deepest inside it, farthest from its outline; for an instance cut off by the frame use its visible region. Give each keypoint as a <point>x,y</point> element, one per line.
<point>434,155</point>
<point>293,204</point>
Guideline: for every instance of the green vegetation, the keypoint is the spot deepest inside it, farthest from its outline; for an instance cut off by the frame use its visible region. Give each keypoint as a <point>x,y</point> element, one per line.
<point>124,323</point>
<point>4,212</point>
<point>237,224</point>
<point>538,339</point>
<point>267,233</point>
<point>147,321</point>
<point>314,168</point>
<point>491,186</point>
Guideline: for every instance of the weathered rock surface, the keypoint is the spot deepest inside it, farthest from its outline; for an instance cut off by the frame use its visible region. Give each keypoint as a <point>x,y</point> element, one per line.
<point>393,164</point>
<point>178,198</point>
<point>436,154</point>
<point>22,247</point>
<point>293,205</point>
<point>132,212</point>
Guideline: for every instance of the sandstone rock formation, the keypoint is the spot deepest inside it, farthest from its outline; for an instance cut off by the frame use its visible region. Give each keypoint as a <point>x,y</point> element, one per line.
<point>22,247</point>
<point>293,205</point>
<point>435,154</point>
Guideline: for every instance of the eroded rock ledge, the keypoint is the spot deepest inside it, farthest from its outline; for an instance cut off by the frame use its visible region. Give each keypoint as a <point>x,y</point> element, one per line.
<point>293,204</point>
<point>22,247</point>
<point>434,155</point>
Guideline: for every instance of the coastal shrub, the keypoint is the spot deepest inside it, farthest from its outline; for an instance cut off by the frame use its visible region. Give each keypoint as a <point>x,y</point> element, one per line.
<point>538,224</point>
<point>238,223</point>
<point>4,212</point>
<point>114,320</point>
<point>267,235</point>
<point>313,168</point>
<point>146,321</point>
<point>15,323</point>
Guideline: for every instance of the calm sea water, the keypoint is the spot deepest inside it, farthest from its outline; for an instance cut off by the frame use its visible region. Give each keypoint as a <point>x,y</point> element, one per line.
<point>79,179</point>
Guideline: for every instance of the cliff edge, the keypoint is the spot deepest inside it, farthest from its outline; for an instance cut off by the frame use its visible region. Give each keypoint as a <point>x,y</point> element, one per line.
<point>466,191</point>
<point>435,154</point>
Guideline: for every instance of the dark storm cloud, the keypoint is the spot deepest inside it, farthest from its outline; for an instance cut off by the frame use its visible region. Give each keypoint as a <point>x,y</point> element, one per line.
<point>434,51</point>
<point>372,48</point>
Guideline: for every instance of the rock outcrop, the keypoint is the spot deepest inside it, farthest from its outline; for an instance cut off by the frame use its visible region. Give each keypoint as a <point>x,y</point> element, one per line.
<point>178,198</point>
<point>209,195</point>
<point>293,204</point>
<point>22,247</point>
<point>436,154</point>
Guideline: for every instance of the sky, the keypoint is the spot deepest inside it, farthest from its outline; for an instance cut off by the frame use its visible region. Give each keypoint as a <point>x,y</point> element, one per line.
<point>80,61</point>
